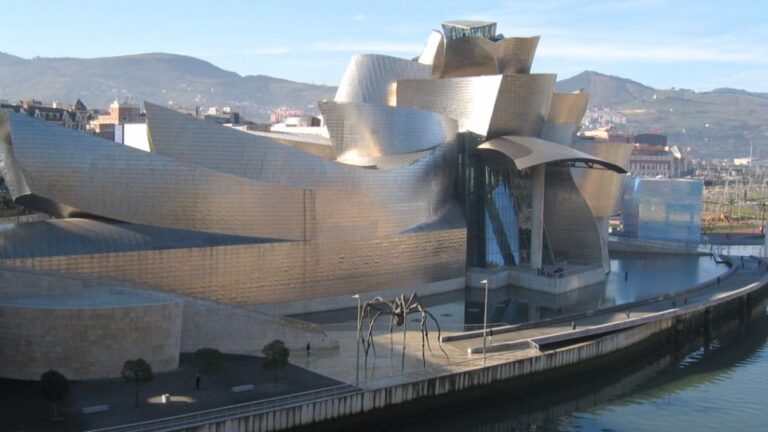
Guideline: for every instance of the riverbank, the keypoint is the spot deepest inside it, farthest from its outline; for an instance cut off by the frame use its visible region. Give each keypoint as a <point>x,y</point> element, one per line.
<point>521,368</point>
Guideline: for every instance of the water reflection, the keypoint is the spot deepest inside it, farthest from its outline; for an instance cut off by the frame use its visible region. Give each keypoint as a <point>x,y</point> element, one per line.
<point>710,382</point>
<point>647,276</point>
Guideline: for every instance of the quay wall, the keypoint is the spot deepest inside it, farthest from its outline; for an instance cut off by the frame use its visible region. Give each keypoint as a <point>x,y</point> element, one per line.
<point>351,411</point>
<point>369,401</point>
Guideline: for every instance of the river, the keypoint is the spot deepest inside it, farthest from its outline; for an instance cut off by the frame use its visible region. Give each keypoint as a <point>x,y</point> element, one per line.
<point>716,384</point>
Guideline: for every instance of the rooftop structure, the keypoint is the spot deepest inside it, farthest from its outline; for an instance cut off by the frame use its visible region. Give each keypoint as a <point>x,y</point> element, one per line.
<point>459,29</point>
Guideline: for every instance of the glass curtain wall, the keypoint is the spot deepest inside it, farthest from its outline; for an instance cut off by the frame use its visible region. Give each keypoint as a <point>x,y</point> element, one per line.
<point>497,203</point>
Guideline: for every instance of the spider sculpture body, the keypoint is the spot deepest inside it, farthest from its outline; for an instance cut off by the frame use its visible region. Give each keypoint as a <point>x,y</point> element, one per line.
<point>398,311</point>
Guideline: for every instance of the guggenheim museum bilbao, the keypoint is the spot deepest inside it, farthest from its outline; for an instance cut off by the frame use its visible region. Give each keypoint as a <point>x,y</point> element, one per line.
<point>439,171</point>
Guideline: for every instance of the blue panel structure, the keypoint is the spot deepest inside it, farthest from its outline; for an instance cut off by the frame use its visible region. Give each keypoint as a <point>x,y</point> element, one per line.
<point>662,209</point>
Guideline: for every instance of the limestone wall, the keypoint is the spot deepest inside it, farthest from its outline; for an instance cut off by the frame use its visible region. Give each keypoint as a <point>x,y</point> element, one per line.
<point>241,331</point>
<point>83,329</point>
<point>87,343</point>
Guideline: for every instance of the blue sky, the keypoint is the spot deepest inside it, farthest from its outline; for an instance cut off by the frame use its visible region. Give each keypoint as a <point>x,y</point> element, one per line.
<point>699,44</point>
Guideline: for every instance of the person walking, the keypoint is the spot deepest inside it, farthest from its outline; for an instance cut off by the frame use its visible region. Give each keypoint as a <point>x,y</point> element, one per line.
<point>197,382</point>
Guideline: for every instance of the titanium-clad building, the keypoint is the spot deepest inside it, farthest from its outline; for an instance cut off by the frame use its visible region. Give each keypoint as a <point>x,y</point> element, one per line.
<point>438,172</point>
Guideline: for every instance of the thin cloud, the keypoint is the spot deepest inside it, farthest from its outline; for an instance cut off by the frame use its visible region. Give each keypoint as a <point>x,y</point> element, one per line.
<point>368,47</point>
<point>266,51</point>
<point>360,17</point>
<point>657,53</point>
<point>249,51</point>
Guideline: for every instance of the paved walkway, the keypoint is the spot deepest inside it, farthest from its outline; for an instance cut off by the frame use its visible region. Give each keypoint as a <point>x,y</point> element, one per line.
<point>387,366</point>
<point>22,408</point>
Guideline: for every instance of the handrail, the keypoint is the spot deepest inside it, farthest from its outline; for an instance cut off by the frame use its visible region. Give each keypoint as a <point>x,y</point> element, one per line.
<point>230,411</point>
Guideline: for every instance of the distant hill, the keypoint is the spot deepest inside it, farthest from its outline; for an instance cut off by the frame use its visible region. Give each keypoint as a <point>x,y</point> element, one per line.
<point>719,123</point>
<point>158,77</point>
<point>605,90</point>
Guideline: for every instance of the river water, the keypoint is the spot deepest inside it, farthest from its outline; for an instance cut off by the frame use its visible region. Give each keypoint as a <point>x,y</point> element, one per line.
<point>717,384</point>
<point>633,277</point>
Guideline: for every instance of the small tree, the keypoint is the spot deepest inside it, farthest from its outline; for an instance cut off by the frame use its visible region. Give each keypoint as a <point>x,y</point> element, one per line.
<point>55,387</point>
<point>276,356</point>
<point>209,360</point>
<point>137,371</point>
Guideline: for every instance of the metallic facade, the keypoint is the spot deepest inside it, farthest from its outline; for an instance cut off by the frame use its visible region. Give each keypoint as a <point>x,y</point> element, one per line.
<point>602,189</point>
<point>364,130</point>
<point>67,173</point>
<point>427,165</point>
<point>490,106</point>
<point>368,77</point>
<point>527,152</point>
<point>468,57</point>
<point>376,201</point>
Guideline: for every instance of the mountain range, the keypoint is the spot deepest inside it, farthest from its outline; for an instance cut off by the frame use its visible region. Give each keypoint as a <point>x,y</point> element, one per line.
<point>166,79</point>
<point>718,123</point>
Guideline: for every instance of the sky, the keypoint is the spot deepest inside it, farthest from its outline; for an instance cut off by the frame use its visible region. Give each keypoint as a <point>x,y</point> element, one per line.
<point>696,44</point>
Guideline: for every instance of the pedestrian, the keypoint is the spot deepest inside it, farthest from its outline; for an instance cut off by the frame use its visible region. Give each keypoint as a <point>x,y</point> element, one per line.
<point>573,325</point>
<point>309,349</point>
<point>627,312</point>
<point>490,334</point>
<point>197,382</point>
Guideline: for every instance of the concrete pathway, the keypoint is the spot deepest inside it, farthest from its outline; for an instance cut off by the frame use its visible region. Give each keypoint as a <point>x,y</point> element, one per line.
<point>389,366</point>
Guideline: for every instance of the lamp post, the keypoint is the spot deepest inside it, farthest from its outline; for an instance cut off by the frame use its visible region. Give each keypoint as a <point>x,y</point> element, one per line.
<point>357,364</point>
<point>485,316</point>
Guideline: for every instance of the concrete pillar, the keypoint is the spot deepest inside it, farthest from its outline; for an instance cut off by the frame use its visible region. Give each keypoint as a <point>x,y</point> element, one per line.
<point>765,239</point>
<point>602,229</point>
<point>537,215</point>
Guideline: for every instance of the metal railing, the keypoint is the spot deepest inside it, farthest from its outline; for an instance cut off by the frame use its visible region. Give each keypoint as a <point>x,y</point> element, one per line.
<point>233,411</point>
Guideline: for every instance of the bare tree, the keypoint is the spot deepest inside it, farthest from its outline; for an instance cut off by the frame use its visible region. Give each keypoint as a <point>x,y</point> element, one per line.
<point>137,371</point>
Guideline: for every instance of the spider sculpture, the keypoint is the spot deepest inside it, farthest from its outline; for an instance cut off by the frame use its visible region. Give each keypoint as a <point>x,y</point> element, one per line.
<point>398,311</point>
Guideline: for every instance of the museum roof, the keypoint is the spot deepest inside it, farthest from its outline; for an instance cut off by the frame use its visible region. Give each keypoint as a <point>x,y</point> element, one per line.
<point>57,237</point>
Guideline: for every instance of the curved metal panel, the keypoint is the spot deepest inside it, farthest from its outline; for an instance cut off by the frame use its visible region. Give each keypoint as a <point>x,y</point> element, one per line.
<point>317,145</point>
<point>433,48</point>
<point>469,57</point>
<point>602,189</point>
<point>527,152</point>
<point>562,134</point>
<point>569,223</point>
<point>466,57</point>
<point>468,100</point>
<point>14,178</point>
<point>515,55</point>
<point>75,236</point>
<point>491,105</point>
<point>565,114</point>
<point>76,172</point>
<point>399,194</point>
<point>369,131</point>
<point>568,108</point>
<point>368,77</point>
<point>522,105</point>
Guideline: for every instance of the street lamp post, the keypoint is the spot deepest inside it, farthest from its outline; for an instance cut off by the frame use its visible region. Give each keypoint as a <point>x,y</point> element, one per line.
<point>357,364</point>
<point>485,316</point>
